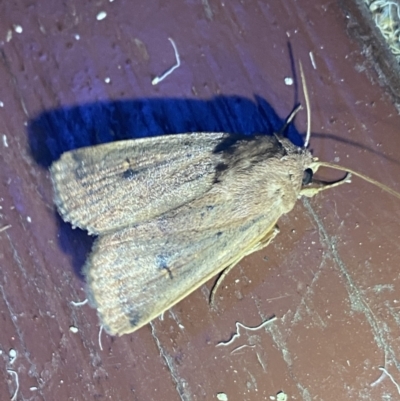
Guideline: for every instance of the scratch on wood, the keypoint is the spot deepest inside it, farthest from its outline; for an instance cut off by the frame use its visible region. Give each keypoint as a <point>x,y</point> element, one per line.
<point>180,384</point>
<point>278,338</point>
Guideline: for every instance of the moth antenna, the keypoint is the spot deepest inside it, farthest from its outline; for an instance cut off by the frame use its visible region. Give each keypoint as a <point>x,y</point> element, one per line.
<point>289,119</point>
<point>308,108</point>
<point>362,176</point>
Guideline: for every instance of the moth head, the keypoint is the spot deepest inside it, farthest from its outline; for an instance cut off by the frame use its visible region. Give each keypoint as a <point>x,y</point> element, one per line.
<point>310,185</point>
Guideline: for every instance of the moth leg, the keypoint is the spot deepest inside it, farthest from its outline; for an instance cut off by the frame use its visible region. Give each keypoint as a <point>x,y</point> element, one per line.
<point>265,241</point>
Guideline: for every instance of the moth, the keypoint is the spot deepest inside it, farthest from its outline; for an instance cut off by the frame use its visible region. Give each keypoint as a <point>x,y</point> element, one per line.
<point>171,212</point>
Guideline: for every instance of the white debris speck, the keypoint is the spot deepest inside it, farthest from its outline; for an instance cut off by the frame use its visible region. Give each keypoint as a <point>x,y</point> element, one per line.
<point>84,302</point>
<point>1,104</point>
<point>77,37</point>
<point>15,374</point>
<point>312,60</point>
<point>33,388</point>
<point>12,355</point>
<point>101,15</point>
<point>5,143</point>
<point>222,397</point>
<point>73,329</point>
<point>237,334</point>
<point>281,396</point>
<point>18,28</point>
<point>107,80</point>
<point>156,80</point>
<point>28,219</point>
<point>100,331</point>
<point>288,81</point>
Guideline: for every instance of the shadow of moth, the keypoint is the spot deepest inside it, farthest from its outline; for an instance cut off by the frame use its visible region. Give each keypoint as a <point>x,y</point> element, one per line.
<point>171,212</point>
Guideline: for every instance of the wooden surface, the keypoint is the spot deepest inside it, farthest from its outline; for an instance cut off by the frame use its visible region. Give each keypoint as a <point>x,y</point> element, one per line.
<point>331,277</point>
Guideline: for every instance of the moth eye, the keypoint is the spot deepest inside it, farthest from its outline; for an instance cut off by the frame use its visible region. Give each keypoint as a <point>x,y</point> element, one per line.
<point>307,176</point>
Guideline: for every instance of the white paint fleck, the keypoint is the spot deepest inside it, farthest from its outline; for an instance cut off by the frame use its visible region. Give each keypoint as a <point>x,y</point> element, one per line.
<point>5,143</point>
<point>18,28</point>
<point>288,81</point>
<point>222,397</point>
<point>28,219</point>
<point>33,388</point>
<point>1,104</point>
<point>73,329</point>
<point>77,37</point>
<point>107,80</point>
<point>101,15</point>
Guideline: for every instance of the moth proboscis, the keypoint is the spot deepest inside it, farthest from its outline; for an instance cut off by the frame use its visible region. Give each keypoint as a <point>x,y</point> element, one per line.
<point>171,212</point>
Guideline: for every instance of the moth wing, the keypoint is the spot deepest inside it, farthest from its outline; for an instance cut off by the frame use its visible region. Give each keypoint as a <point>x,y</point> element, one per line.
<point>106,187</point>
<point>133,280</point>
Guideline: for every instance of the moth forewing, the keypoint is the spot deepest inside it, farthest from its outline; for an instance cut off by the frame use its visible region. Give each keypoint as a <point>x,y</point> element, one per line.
<point>107,187</point>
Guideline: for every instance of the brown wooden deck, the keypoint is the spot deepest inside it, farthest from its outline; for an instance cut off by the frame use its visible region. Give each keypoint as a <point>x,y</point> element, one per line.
<point>331,277</point>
